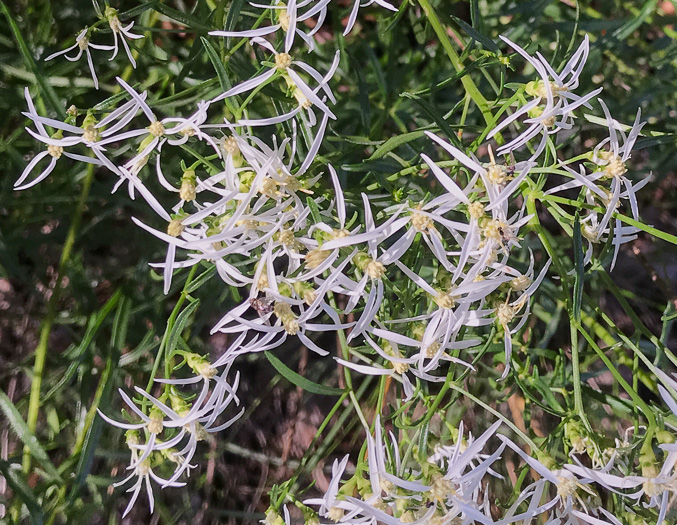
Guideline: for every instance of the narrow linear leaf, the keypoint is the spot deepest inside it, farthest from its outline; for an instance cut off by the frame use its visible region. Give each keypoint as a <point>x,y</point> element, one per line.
<point>449,80</point>
<point>629,27</point>
<point>190,61</point>
<point>486,42</point>
<point>218,65</point>
<point>672,239</point>
<point>78,355</point>
<point>195,24</point>
<point>395,142</point>
<point>314,210</point>
<point>362,96</point>
<point>434,113</point>
<point>299,380</point>
<point>396,18</point>
<point>180,324</point>
<point>93,433</point>
<point>202,278</point>
<point>233,14</point>
<point>21,430</point>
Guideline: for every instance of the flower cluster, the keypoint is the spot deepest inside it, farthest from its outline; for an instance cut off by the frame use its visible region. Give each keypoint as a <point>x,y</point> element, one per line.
<point>449,486</point>
<point>258,211</point>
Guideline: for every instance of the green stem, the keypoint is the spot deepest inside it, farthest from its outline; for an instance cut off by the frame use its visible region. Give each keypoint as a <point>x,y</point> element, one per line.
<point>170,326</point>
<point>535,223</point>
<point>345,349</point>
<point>46,328</point>
<point>576,367</point>
<point>468,84</point>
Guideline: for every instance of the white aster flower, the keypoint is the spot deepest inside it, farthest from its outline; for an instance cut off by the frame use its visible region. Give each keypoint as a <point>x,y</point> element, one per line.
<point>55,150</point>
<point>572,493</point>
<point>289,16</point>
<point>553,90</point>
<point>143,472</point>
<point>507,312</point>
<point>612,167</point>
<point>285,68</point>
<point>121,32</point>
<point>82,43</point>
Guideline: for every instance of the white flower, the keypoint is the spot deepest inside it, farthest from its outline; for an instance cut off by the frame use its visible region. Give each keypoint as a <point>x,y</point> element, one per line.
<point>611,167</point>
<point>565,502</point>
<point>285,68</point>
<point>657,485</point>
<point>459,305</point>
<point>499,180</point>
<point>55,150</point>
<point>82,43</point>
<point>173,130</point>
<point>289,16</point>
<point>555,91</point>
<point>370,263</point>
<point>143,472</point>
<point>288,321</point>
<point>329,502</point>
<point>592,232</point>
<point>400,366</point>
<point>121,32</point>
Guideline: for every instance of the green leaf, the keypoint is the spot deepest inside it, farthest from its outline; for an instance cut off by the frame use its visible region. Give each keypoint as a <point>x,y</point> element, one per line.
<point>180,324</point>
<point>79,353</point>
<point>362,95</point>
<point>21,430</point>
<point>434,114</point>
<point>218,65</point>
<point>93,433</point>
<point>45,87</point>
<point>314,210</point>
<point>394,142</point>
<point>201,279</point>
<point>451,79</point>
<point>486,42</point>
<point>121,322</point>
<point>396,18</point>
<point>578,264</point>
<point>189,21</point>
<point>672,239</point>
<point>17,482</point>
<point>299,380</point>
<point>190,61</point>
<point>233,14</point>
